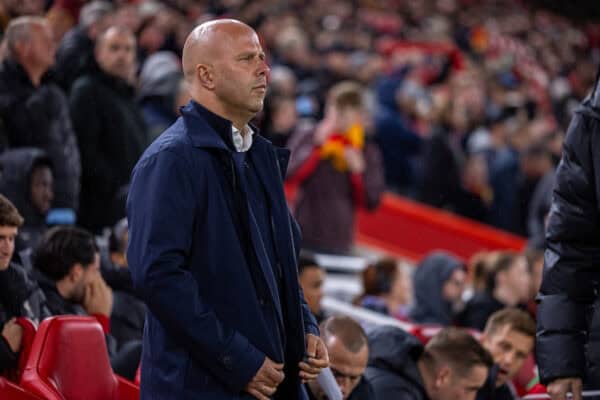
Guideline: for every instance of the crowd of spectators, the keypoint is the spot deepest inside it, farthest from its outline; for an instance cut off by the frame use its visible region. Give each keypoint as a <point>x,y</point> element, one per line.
<point>459,104</point>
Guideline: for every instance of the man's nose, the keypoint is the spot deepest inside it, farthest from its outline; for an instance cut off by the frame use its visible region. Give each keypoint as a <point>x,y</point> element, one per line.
<point>263,68</point>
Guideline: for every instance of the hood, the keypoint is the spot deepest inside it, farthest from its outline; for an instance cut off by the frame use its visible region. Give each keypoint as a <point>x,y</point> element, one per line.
<point>160,76</point>
<point>393,349</point>
<point>429,278</point>
<point>16,168</point>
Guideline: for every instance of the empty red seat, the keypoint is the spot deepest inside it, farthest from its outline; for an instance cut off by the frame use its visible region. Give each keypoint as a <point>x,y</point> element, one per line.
<point>10,391</point>
<point>69,361</point>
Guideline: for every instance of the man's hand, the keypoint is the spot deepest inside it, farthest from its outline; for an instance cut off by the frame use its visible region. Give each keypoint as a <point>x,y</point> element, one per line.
<point>317,358</point>
<point>559,388</point>
<point>266,380</point>
<point>13,333</point>
<point>98,298</point>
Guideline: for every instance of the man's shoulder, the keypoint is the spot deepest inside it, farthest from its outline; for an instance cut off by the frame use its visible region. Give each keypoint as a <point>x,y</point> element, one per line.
<point>87,83</point>
<point>363,391</point>
<point>174,142</point>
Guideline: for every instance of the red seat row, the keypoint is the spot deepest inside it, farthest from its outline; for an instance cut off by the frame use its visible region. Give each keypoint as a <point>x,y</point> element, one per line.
<point>67,360</point>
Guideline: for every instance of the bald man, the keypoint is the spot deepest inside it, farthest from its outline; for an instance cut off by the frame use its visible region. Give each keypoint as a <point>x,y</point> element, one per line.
<point>212,247</point>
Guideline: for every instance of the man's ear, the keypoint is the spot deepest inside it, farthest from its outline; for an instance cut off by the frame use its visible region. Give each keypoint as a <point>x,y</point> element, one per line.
<point>75,273</point>
<point>442,377</point>
<point>484,339</point>
<point>206,76</point>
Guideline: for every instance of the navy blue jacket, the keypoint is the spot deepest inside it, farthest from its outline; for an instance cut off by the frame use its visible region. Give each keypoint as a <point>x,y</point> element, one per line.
<point>194,258</point>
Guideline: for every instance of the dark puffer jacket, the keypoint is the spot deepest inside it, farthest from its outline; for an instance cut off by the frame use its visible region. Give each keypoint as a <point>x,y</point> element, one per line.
<point>566,346</point>
<point>392,368</point>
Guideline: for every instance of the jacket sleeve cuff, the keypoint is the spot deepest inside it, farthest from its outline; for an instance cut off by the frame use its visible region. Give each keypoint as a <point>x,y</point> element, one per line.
<point>311,328</point>
<point>561,334</point>
<point>239,363</point>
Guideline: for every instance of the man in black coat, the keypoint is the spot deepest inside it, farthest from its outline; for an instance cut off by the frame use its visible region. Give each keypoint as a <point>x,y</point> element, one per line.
<point>110,129</point>
<point>567,348</point>
<point>75,54</point>
<point>34,110</point>
<point>348,350</point>
<point>452,366</point>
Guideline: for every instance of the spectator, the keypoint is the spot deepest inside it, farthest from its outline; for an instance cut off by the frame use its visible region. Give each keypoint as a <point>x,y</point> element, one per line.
<point>509,336</point>
<point>311,277</point>
<point>117,244</point>
<point>67,268</point>
<point>539,208</point>
<point>438,283</point>
<point>387,289</point>
<point>348,350</point>
<point>11,9</point>
<point>110,128</point>
<point>536,162</point>
<point>34,110</point>
<point>27,180</point>
<point>162,91</point>
<point>337,169</point>
<point>19,295</point>
<point>113,258</point>
<point>535,265</point>
<point>452,366</point>
<point>63,15</point>
<point>398,142</point>
<point>75,54</point>
<point>281,119</point>
<point>508,285</point>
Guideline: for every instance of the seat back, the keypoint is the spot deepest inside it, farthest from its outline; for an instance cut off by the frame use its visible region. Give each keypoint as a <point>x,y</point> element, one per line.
<point>10,391</point>
<point>69,361</point>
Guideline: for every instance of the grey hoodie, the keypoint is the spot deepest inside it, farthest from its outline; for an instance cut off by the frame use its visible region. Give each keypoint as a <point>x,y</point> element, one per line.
<point>430,276</point>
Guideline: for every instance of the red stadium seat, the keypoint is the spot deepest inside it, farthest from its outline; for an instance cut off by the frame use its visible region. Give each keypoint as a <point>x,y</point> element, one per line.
<point>138,376</point>
<point>10,391</point>
<point>69,361</point>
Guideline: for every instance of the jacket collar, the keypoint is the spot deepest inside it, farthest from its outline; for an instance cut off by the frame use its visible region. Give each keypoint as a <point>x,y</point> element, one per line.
<point>15,71</point>
<point>207,129</point>
<point>119,85</point>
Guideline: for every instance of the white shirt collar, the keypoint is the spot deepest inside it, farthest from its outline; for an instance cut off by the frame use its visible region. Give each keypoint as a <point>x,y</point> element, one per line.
<point>242,142</point>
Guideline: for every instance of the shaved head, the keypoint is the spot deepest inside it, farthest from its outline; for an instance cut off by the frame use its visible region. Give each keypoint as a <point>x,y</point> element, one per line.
<point>206,42</point>
<point>226,69</point>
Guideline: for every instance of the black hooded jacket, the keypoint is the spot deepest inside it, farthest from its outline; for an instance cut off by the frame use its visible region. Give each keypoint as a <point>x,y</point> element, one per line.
<point>429,278</point>
<point>17,166</point>
<point>392,370</point>
<point>566,346</point>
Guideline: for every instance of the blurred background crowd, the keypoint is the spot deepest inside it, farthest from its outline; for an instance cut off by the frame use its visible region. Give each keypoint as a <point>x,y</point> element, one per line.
<point>459,104</point>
